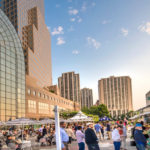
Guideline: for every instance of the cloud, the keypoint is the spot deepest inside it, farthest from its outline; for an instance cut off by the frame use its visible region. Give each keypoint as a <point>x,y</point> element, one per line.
<point>71,29</point>
<point>79,19</point>
<point>73,11</point>
<point>106,22</point>
<point>57,5</point>
<point>75,52</point>
<point>92,42</point>
<point>145,28</point>
<point>72,19</point>
<point>93,4</point>
<point>60,41</point>
<point>84,7</point>
<point>49,28</point>
<point>58,31</point>
<point>124,32</point>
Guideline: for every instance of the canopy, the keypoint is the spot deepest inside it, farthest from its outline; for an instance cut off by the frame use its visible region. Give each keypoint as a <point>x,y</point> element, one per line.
<point>140,115</point>
<point>2,123</point>
<point>104,119</point>
<point>46,121</point>
<point>81,117</point>
<point>20,121</point>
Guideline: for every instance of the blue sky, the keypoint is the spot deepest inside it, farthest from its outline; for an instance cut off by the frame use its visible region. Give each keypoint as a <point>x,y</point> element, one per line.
<point>101,38</point>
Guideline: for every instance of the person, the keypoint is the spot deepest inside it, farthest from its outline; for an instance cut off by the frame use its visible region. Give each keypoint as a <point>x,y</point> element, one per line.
<point>76,127</point>
<point>139,138</point>
<point>70,133</point>
<point>116,137</point>
<point>41,129</point>
<point>108,129</point>
<point>123,136</point>
<point>64,137</point>
<point>80,137</point>
<point>91,138</point>
<point>98,129</point>
<point>148,143</point>
<point>143,128</point>
<point>44,131</point>
<point>102,131</point>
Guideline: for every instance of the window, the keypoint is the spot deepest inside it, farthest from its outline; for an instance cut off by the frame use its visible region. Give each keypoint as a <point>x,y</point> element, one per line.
<point>34,93</point>
<point>39,94</point>
<point>29,91</point>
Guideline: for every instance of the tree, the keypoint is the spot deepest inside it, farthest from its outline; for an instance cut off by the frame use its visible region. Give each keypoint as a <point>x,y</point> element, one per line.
<point>67,114</point>
<point>100,110</point>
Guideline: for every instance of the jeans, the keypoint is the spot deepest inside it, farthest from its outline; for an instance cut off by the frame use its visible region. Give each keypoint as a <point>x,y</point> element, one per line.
<point>81,146</point>
<point>93,147</point>
<point>117,145</point>
<point>140,146</point>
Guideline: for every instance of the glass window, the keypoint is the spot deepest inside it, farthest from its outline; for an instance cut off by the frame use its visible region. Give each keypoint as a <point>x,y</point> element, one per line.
<point>29,91</point>
<point>34,93</point>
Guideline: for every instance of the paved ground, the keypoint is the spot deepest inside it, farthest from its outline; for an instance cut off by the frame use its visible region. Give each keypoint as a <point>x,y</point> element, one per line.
<point>104,145</point>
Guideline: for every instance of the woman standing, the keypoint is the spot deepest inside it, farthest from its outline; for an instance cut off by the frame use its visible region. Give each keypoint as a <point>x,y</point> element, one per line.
<point>80,138</point>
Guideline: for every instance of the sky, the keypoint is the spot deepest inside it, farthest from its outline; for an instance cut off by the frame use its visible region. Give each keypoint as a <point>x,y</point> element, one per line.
<point>99,39</point>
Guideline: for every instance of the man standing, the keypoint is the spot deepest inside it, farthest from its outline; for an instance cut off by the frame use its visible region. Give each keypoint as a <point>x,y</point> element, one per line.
<point>98,130</point>
<point>139,138</point>
<point>91,138</point>
<point>108,129</point>
<point>64,137</point>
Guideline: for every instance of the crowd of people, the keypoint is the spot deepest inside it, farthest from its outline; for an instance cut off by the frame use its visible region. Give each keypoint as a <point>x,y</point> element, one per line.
<point>91,134</point>
<point>83,134</point>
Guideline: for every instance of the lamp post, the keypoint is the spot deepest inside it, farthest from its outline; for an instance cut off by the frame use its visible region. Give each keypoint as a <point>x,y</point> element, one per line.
<point>57,127</point>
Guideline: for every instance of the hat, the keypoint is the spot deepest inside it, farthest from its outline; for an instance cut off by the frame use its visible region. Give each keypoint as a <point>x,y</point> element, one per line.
<point>138,125</point>
<point>89,123</point>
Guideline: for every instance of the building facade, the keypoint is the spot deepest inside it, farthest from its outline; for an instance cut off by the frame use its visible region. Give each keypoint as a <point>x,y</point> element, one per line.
<point>86,97</point>
<point>12,72</point>
<point>27,16</point>
<point>116,94</point>
<point>27,20</point>
<point>40,102</point>
<point>148,98</point>
<point>69,85</point>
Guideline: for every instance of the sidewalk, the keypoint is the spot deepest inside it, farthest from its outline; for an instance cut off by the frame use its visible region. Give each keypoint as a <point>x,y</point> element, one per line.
<point>104,145</point>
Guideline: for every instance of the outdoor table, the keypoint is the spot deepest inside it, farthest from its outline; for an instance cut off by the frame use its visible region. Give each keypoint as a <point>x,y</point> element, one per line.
<point>26,144</point>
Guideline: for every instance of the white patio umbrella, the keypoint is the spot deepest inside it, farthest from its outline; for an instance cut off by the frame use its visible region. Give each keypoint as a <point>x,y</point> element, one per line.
<point>46,121</point>
<point>21,122</point>
<point>2,123</point>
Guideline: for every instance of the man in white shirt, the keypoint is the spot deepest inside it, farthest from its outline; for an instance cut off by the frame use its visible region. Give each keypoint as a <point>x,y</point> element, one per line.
<point>116,138</point>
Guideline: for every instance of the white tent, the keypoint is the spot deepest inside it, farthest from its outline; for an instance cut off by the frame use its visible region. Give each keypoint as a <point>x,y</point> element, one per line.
<point>46,121</point>
<point>81,117</point>
<point>140,115</point>
<point>21,121</point>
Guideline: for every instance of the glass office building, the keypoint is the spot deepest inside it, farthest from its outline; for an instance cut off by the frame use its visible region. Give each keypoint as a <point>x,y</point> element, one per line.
<point>12,72</point>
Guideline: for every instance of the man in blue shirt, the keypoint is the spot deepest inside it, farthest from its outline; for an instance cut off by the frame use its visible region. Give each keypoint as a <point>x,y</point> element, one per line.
<point>98,129</point>
<point>64,137</point>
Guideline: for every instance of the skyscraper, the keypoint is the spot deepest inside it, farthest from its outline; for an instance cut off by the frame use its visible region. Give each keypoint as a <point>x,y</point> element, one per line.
<point>116,94</point>
<point>27,16</point>
<point>69,85</point>
<point>12,72</point>
<point>86,97</point>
